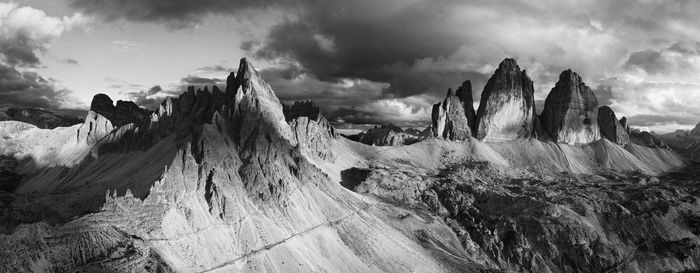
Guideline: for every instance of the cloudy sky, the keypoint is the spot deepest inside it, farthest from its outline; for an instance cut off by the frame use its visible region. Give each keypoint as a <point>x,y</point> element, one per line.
<point>363,61</point>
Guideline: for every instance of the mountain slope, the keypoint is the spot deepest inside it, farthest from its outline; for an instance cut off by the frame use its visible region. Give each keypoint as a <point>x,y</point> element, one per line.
<point>223,181</point>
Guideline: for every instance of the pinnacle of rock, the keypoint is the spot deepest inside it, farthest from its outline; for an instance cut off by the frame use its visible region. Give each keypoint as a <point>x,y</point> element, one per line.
<point>570,111</point>
<point>123,113</point>
<point>610,127</point>
<point>301,109</point>
<point>464,93</point>
<point>450,118</point>
<point>507,108</point>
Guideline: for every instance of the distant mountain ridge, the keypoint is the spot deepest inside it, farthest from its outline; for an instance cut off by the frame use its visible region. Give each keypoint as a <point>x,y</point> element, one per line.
<point>41,118</point>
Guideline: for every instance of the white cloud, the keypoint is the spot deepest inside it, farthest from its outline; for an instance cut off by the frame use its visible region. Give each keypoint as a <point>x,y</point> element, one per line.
<point>35,24</point>
<point>415,108</point>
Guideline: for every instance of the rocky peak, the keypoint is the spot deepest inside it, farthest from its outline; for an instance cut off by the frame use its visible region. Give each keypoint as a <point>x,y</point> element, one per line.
<point>301,109</point>
<point>449,117</point>
<point>610,127</point>
<point>123,113</point>
<point>570,111</point>
<point>696,130</point>
<point>464,93</point>
<point>101,103</point>
<point>507,108</point>
<point>310,129</point>
<point>623,122</point>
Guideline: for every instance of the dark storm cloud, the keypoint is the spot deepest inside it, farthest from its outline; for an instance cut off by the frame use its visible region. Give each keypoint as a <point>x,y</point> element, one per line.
<point>395,49</point>
<point>26,33</point>
<point>604,95</point>
<point>28,89</point>
<point>19,51</point>
<point>675,58</point>
<point>175,13</point>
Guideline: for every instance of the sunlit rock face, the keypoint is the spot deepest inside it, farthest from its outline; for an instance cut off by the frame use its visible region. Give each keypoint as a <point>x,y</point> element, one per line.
<point>610,127</point>
<point>507,108</point>
<point>451,117</point>
<point>310,129</point>
<point>570,113</point>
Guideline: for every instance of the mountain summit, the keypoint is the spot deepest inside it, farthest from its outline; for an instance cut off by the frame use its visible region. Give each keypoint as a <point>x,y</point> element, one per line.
<point>507,108</point>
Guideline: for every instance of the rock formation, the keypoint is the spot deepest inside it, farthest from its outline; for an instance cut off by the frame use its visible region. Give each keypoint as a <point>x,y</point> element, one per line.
<point>41,118</point>
<point>570,113</point>
<point>696,130</point>
<point>610,127</point>
<point>645,138</point>
<point>623,123</point>
<point>225,181</point>
<point>507,107</point>
<point>390,135</point>
<point>123,113</point>
<point>453,117</point>
<point>684,142</point>
<point>464,93</point>
<point>311,130</point>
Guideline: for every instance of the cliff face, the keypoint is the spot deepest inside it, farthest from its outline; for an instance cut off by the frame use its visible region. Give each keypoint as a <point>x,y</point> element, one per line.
<point>311,130</point>
<point>570,113</point>
<point>451,116</point>
<point>507,108</point>
<point>610,127</point>
<point>123,113</point>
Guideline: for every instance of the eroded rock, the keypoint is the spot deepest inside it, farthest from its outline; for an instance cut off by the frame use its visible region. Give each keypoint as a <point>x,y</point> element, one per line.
<point>570,113</point>
<point>453,118</point>
<point>507,107</point>
<point>610,127</point>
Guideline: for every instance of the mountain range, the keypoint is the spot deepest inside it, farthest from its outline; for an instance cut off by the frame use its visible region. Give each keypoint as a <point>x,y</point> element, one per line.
<point>233,180</point>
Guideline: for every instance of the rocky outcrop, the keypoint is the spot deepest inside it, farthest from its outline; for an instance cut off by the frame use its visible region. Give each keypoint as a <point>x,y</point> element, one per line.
<point>104,118</point>
<point>464,93</point>
<point>311,130</point>
<point>94,128</point>
<point>696,131</point>
<point>453,118</point>
<point>610,127</point>
<point>41,118</point>
<point>124,112</point>
<point>301,109</point>
<point>684,142</point>
<point>390,135</point>
<point>507,107</point>
<point>645,138</point>
<point>623,123</point>
<point>570,113</point>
